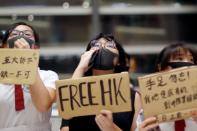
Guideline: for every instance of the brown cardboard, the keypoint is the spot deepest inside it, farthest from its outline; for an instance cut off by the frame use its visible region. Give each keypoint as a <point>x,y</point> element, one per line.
<point>169,95</point>
<point>18,66</point>
<point>88,95</point>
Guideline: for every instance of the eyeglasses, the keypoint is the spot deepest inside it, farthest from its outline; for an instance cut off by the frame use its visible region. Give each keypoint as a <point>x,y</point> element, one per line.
<point>108,44</point>
<point>26,33</point>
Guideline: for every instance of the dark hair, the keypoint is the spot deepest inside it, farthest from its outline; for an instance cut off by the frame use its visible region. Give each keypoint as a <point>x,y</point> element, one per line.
<point>13,26</point>
<point>122,66</point>
<point>1,34</point>
<point>165,54</point>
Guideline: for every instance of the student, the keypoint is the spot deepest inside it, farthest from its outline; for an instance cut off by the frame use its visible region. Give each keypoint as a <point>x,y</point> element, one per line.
<point>26,107</point>
<point>173,56</point>
<point>110,58</point>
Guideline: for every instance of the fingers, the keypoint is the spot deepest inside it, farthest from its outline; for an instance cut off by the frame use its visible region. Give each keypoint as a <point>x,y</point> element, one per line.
<point>90,52</point>
<point>98,121</point>
<point>149,123</point>
<point>21,43</point>
<point>151,127</point>
<point>87,54</point>
<point>104,123</point>
<point>107,113</point>
<point>85,59</point>
<point>94,48</point>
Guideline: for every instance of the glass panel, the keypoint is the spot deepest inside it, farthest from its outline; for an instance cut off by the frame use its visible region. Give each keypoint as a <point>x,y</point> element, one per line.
<point>40,2</point>
<point>135,31</point>
<point>144,2</point>
<point>128,29</point>
<point>151,29</point>
<point>55,30</point>
<point>102,2</point>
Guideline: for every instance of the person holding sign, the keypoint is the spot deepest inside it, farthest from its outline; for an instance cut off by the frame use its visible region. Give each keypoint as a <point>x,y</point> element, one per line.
<point>103,55</point>
<point>171,57</point>
<point>26,107</point>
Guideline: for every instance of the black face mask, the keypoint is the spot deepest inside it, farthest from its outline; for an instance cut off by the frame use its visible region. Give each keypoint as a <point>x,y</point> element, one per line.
<point>121,68</point>
<point>104,59</point>
<point>11,41</point>
<point>179,64</point>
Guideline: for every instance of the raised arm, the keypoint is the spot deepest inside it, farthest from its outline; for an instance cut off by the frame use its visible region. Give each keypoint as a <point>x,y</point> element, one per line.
<point>43,96</point>
<point>83,64</point>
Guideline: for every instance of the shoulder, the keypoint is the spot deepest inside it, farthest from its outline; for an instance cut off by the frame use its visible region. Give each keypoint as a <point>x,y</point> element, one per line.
<point>48,74</point>
<point>48,77</point>
<point>190,124</point>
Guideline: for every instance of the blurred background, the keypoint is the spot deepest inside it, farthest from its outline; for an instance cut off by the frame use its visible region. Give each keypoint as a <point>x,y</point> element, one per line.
<point>65,27</point>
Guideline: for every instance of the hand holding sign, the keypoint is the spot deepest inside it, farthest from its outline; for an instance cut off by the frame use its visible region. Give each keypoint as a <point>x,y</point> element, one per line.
<point>105,120</point>
<point>148,124</point>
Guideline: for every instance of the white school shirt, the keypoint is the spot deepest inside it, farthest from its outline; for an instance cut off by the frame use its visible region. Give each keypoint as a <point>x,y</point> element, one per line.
<point>29,119</point>
<point>190,125</point>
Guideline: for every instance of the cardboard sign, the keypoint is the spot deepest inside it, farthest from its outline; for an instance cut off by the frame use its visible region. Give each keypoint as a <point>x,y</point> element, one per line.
<point>170,95</point>
<point>88,95</point>
<point>18,66</point>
